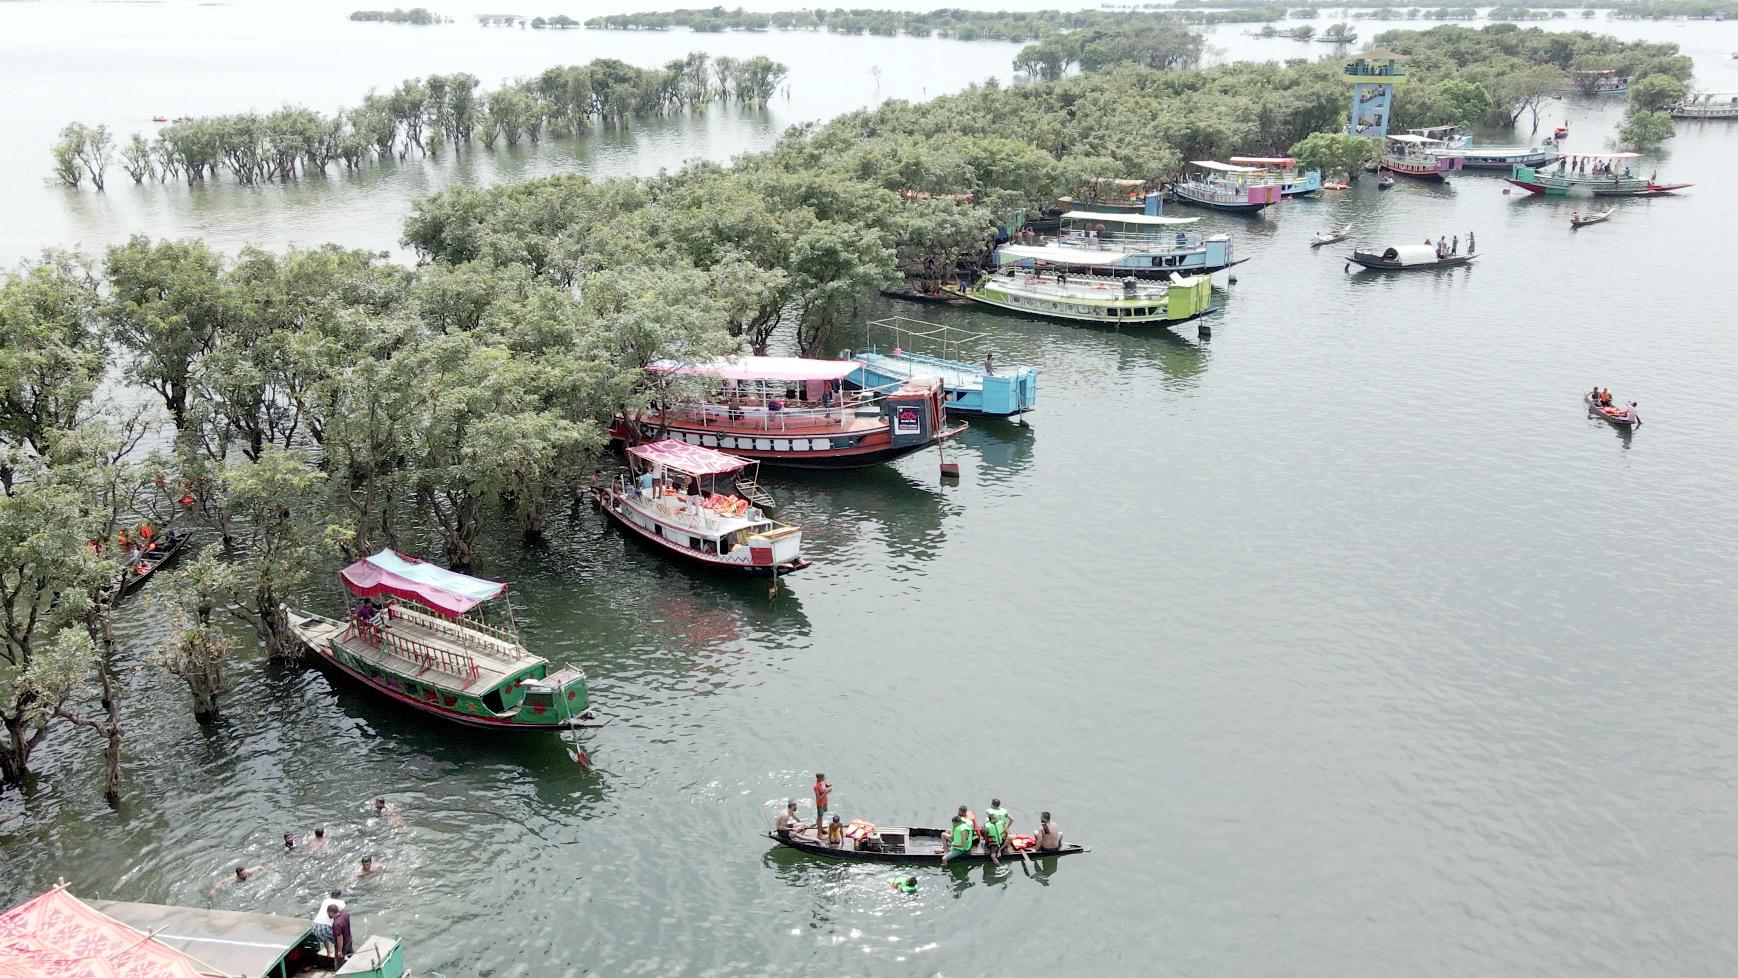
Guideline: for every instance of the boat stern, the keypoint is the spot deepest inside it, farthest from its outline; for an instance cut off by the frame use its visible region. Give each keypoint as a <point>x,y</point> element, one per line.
<point>1188,297</point>
<point>1217,253</point>
<point>375,957</point>
<point>560,699</point>
<point>1010,393</point>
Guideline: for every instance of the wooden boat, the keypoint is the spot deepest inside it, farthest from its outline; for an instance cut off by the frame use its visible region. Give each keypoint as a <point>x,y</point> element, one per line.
<point>1103,195</point>
<point>58,934</point>
<point>133,578</point>
<point>1473,157</point>
<point>1407,258</point>
<point>1577,220</point>
<point>1329,237</point>
<point>1292,183</point>
<point>1418,157</point>
<point>1142,245</point>
<point>720,531</point>
<point>751,490</point>
<point>792,412</point>
<point>427,649</point>
<point>934,297</point>
<point>1095,299</point>
<point>1617,415</point>
<point>1228,187</point>
<point>905,845</point>
<point>159,118</point>
<point>1599,81</point>
<point>1385,182</point>
<point>1563,181</point>
<point>1007,390</point>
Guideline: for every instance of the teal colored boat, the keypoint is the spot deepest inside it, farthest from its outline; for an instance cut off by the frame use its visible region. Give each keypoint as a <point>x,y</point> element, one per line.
<point>983,387</point>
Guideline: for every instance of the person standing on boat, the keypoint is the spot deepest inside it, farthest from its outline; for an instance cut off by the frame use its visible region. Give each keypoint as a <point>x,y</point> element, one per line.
<point>341,941</point>
<point>1454,246</point>
<point>323,917</point>
<point>989,365</point>
<point>1632,415</point>
<point>823,791</point>
<point>1470,247</point>
<point>960,839</point>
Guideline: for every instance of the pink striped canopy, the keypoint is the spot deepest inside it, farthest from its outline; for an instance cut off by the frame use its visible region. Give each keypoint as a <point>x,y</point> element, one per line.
<point>445,591</point>
<point>690,459</point>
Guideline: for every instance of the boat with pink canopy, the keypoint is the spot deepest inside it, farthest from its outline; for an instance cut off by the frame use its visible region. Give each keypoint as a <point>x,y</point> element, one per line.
<point>788,411</point>
<point>683,500</point>
<point>419,638</point>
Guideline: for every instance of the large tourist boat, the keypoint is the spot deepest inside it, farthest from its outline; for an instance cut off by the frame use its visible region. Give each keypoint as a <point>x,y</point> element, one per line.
<point>424,646</point>
<point>1284,169</point>
<point>791,412</point>
<point>1599,81</point>
<point>1142,245</point>
<point>1228,187</point>
<point>1096,299</point>
<point>1475,157</point>
<point>983,387</point>
<point>1107,196</point>
<point>1418,157</point>
<point>57,935</point>
<point>1707,105</point>
<point>683,500</point>
<point>1591,175</point>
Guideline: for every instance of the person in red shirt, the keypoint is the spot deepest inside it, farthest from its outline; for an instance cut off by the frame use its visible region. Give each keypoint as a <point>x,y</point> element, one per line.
<point>823,792</point>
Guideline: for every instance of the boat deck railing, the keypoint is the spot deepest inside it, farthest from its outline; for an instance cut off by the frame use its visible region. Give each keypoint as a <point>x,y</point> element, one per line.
<point>1089,288</point>
<point>470,633</point>
<point>422,655</point>
<point>1163,241</point>
<point>804,416</point>
<point>674,509</point>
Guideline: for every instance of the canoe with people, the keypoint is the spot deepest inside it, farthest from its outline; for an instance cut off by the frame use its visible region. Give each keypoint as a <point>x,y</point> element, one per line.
<point>1408,258</point>
<point>965,840</point>
<point>1600,403</point>
<point>1578,219</point>
<point>143,552</point>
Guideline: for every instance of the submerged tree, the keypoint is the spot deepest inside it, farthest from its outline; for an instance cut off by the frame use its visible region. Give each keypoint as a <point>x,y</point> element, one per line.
<point>196,647</point>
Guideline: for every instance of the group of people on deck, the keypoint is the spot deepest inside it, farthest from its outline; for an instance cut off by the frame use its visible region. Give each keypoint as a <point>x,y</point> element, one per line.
<point>1600,398</point>
<point>1587,166</point>
<point>965,832</point>
<point>1449,247</point>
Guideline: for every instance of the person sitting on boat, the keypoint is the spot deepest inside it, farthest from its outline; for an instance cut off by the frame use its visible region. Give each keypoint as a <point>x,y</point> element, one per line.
<point>1049,834</point>
<point>995,838</point>
<point>835,833</point>
<point>169,539</point>
<point>644,483</point>
<point>960,839</point>
<point>787,822</point>
<point>775,404</point>
<point>1605,397</point>
<point>1632,415</point>
<point>989,364</point>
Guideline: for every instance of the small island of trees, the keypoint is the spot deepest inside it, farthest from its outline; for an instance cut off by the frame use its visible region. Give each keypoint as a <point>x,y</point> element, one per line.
<point>417,16</point>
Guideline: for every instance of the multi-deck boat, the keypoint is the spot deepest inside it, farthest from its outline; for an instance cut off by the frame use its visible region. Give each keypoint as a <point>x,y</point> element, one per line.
<point>1419,157</point>
<point>1095,299</point>
<point>57,934</point>
<point>1592,175</point>
<point>1142,245</point>
<point>1228,187</point>
<point>1599,81</point>
<point>425,647</point>
<point>1707,105</point>
<point>1474,157</point>
<point>683,499</point>
<point>793,412</point>
<point>1284,169</point>
<point>982,388</point>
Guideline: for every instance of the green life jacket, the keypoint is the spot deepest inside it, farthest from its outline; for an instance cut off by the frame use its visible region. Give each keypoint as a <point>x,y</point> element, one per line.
<point>905,885</point>
<point>994,831</point>
<point>962,835</point>
<point>997,815</point>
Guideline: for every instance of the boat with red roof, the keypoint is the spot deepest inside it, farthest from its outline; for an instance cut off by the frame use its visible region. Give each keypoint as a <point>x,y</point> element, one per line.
<point>684,500</point>
<point>791,412</point>
<point>426,646</point>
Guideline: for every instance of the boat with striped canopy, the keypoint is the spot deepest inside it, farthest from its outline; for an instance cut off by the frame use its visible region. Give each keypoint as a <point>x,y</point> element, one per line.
<point>425,646</point>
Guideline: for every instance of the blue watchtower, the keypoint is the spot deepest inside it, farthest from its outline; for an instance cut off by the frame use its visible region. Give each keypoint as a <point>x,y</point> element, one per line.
<point>1372,75</point>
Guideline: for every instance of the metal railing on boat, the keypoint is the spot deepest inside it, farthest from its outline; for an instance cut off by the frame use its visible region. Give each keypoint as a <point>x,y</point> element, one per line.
<point>420,654</point>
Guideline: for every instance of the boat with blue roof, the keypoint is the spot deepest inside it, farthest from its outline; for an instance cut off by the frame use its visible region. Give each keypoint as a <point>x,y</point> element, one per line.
<point>983,387</point>
<point>1147,245</point>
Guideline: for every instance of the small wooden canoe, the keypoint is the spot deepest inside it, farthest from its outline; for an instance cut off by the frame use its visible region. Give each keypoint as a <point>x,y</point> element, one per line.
<point>133,578</point>
<point>906,845</point>
<point>755,493</point>
<point>1385,183</point>
<point>1581,220</point>
<point>1329,237</point>
<point>1617,415</point>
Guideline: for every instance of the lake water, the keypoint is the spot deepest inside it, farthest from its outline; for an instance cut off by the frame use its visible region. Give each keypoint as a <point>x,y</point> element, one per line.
<point>1345,638</point>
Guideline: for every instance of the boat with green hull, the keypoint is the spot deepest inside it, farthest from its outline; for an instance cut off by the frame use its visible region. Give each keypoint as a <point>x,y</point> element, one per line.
<point>425,648</point>
<point>1096,299</point>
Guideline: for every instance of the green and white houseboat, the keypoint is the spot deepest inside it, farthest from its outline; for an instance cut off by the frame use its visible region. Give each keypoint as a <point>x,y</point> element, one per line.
<point>424,646</point>
<point>1096,299</point>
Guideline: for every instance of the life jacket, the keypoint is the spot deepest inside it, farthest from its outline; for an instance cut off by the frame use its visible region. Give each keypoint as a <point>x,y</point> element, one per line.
<point>962,836</point>
<point>993,830</point>
<point>1020,842</point>
<point>859,829</point>
<point>146,531</point>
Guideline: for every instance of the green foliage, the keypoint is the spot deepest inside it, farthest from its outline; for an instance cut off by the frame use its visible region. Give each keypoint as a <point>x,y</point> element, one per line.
<point>397,15</point>
<point>1643,131</point>
<point>52,354</point>
<point>1656,93</point>
<point>1334,152</point>
<point>964,25</point>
